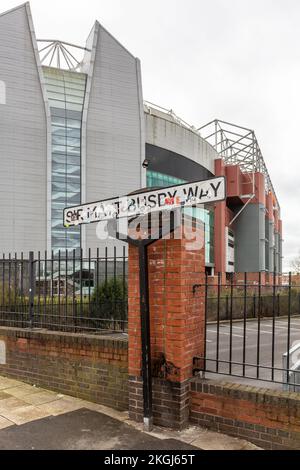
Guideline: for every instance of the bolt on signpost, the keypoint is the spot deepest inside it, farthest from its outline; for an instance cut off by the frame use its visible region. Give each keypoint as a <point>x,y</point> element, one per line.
<point>143,203</point>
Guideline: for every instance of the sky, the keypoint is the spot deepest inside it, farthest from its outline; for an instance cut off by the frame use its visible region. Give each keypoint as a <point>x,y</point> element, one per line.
<point>236,60</point>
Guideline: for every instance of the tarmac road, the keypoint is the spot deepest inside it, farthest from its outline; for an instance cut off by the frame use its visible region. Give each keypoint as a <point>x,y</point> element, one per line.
<point>251,356</point>
<point>83,429</point>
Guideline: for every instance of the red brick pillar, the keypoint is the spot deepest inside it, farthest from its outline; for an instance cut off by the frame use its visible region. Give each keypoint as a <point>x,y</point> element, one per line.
<point>177,325</point>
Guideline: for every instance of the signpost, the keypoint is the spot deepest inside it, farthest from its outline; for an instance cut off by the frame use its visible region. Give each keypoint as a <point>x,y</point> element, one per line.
<point>143,203</point>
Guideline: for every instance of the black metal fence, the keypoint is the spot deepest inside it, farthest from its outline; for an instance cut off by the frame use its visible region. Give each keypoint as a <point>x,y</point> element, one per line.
<point>66,292</point>
<point>252,329</point>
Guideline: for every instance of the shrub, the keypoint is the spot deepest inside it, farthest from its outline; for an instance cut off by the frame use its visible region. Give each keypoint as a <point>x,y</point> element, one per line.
<point>9,297</point>
<point>109,300</point>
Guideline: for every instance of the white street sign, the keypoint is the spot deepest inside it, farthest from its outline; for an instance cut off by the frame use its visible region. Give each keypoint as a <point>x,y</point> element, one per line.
<point>172,197</point>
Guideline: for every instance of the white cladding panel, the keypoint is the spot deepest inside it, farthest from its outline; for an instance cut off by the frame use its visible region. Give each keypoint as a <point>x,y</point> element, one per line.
<point>23,137</point>
<point>166,133</point>
<point>114,132</point>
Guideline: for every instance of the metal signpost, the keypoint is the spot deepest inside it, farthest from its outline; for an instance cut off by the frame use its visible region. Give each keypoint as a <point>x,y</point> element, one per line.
<point>144,203</point>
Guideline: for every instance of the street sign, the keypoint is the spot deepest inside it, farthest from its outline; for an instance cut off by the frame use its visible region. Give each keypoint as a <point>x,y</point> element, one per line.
<point>144,202</point>
<point>139,204</point>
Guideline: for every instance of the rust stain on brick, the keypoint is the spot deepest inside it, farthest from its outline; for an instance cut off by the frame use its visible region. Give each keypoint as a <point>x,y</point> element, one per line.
<point>163,369</point>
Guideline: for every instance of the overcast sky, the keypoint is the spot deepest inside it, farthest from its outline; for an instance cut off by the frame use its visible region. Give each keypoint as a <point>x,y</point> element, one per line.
<point>237,60</point>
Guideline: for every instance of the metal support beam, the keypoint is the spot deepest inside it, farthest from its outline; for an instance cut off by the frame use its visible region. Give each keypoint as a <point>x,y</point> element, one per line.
<point>145,336</point>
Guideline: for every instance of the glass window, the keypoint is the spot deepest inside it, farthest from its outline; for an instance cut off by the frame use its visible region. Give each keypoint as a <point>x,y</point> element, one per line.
<point>59,168</point>
<point>159,179</point>
<point>74,132</point>
<point>60,96</point>
<point>57,214</point>
<point>75,91</point>
<point>73,99</point>
<point>75,106</point>
<point>58,112</point>
<point>58,148</point>
<point>73,123</point>
<point>70,188</point>
<point>73,150</point>
<point>66,92</point>
<point>73,141</point>
<point>58,121</point>
<point>58,103</point>
<point>59,205</point>
<point>58,139</point>
<point>59,130</point>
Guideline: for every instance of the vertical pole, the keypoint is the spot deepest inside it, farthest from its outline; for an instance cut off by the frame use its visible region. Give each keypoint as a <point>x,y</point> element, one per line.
<point>123,312</point>
<point>258,327</point>
<point>273,325</point>
<point>145,333</point>
<point>31,288</point>
<point>74,291</point>
<point>218,323</point>
<point>15,286</point>
<point>205,320</point>
<point>227,308</point>
<point>231,326</point>
<point>289,327</point>
<point>45,316</point>
<point>245,324</point>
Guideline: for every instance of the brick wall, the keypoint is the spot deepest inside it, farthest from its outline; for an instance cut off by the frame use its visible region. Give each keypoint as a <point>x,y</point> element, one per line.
<point>269,419</point>
<point>89,367</point>
<point>177,325</point>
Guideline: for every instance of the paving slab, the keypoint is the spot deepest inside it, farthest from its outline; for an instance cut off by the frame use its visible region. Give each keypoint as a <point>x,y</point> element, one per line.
<point>4,423</point>
<point>22,404</point>
<point>41,397</point>
<point>24,414</point>
<point>21,391</point>
<point>4,395</point>
<point>10,404</point>
<point>6,383</point>
<point>60,406</point>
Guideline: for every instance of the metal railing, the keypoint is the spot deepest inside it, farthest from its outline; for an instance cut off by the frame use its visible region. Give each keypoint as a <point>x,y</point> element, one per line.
<point>292,383</point>
<point>65,292</point>
<point>250,326</point>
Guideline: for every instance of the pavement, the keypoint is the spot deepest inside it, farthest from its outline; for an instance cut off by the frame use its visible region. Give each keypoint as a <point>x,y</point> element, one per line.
<point>35,418</point>
<point>267,332</point>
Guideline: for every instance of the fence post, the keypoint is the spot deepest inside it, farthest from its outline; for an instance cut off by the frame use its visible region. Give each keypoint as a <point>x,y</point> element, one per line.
<point>31,288</point>
<point>75,315</point>
<point>227,307</point>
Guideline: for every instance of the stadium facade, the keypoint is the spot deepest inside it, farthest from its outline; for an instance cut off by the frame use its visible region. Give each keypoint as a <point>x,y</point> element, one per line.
<point>74,128</point>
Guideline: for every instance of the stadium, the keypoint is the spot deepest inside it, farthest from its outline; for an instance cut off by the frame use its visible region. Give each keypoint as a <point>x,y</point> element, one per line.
<point>74,127</point>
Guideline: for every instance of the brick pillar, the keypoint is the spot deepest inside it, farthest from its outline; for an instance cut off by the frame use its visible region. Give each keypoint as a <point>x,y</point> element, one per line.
<point>177,326</point>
